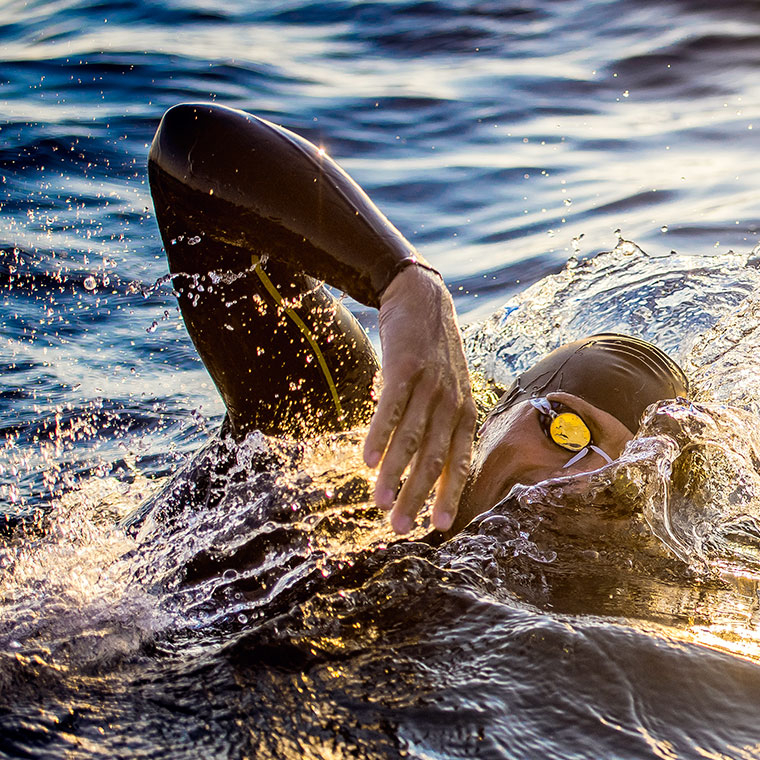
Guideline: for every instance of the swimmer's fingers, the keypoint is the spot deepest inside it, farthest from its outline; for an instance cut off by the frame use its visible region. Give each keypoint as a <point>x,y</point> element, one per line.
<point>388,413</point>
<point>454,475</point>
<point>414,438</point>
<point>444,454</point>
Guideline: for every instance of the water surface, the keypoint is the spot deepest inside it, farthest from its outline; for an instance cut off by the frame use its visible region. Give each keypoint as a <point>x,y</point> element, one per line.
<point>611,616</point>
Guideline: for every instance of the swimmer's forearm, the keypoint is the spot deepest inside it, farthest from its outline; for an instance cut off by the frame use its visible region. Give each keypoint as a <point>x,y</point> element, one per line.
<point>268,192</point>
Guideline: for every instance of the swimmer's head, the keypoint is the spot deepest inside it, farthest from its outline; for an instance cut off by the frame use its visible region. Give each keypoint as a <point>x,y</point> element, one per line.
<point>617,373</point>
<point>572,412</point>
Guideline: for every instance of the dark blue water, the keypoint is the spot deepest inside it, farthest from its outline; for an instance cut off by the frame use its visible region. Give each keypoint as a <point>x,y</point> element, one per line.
<point>614,617</point>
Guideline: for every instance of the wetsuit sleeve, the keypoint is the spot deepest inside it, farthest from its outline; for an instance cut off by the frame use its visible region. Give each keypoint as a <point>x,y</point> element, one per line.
<point>260,188</point>
<point>249,215</point>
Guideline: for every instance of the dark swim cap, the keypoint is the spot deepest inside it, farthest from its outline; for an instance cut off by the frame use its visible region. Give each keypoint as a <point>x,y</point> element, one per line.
<point>616,373</point>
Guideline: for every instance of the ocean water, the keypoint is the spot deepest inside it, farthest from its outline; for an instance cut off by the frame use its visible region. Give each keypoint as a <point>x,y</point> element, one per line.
<point>570,167</point>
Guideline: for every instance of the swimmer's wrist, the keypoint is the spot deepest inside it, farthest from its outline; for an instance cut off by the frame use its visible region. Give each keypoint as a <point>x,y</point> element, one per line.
<point>416,263</point>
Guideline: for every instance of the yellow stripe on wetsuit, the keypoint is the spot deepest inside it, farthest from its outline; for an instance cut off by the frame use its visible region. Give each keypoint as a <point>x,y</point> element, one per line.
<point>299,323</point>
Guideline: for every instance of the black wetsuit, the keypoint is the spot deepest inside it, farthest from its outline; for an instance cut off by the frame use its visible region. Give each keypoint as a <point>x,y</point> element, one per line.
<point>250,214</point>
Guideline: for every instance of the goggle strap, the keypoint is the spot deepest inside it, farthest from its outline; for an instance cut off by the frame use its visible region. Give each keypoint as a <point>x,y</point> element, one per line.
<point>601,453</point>
<point>543,406</point>
<point>582,453</point>
<point>577,458</point>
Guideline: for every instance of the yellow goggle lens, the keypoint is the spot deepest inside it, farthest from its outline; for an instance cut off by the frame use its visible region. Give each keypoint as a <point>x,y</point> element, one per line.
<point>570,431</point>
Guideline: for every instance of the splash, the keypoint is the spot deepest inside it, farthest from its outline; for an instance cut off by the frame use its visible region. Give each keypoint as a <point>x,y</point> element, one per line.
<point>244,533</point>
<point>670,531</point>
<point>669,300</point>
<point>72,598</point>
<point>724,362</point>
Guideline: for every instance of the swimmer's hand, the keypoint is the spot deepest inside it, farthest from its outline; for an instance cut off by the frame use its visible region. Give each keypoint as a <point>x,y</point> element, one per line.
<point>426,415</point>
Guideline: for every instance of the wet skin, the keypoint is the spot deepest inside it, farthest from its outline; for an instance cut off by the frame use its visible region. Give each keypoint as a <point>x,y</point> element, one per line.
<point>513,448</point>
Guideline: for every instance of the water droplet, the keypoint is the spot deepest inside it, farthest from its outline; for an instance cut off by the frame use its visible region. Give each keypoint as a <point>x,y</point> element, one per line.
<point>153,327</point>
<point>194,240</point>
<point>242,618</point>
<point>664,228</point>
<point>568,202</point>
<point>90,283</point>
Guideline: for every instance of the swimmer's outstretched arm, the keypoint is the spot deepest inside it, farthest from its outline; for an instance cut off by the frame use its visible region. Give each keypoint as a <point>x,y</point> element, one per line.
<point>232,190</point>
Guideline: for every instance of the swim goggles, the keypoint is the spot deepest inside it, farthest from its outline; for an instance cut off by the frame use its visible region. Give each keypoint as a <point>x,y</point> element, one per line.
<point>565,428</point>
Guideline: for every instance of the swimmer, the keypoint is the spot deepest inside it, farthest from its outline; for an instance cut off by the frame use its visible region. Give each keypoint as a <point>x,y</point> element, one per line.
<point>254,217</point>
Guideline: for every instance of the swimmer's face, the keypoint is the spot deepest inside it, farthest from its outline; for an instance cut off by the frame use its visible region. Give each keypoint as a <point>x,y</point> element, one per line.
<point>513,448</point>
